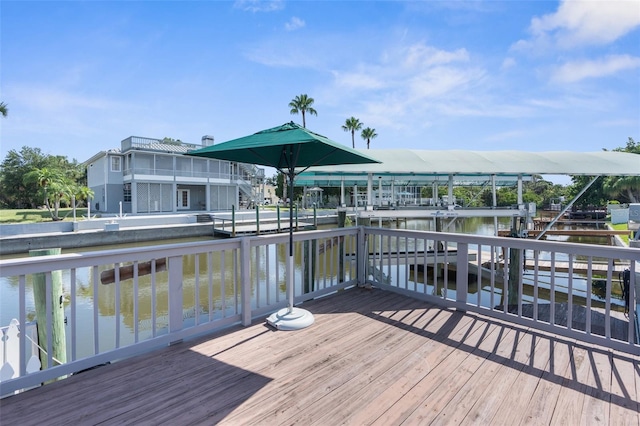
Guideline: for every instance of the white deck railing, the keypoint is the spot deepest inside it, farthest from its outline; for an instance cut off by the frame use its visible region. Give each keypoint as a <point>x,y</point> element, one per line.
<point>124,302</point>
<point>119,303</point>
<point>574,290</point>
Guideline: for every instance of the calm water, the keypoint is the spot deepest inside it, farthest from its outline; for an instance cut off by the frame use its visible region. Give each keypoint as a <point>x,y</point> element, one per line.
<point>106,293</point>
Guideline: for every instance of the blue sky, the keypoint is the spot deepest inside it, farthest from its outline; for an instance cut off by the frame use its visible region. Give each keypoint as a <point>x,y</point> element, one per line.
<point>78,77</point>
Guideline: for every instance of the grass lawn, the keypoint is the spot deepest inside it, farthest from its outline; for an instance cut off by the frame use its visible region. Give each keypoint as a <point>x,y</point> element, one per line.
<point>37,215</point>
<point>621,227</point>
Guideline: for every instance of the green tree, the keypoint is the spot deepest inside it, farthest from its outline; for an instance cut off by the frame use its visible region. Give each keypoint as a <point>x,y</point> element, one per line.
<point>632,147</point>
<point>282,190</point>
<point>594,196</point>
<point>541,191</point>
<point>75,196</point>
<point>352,125</point>
<point>280,179</point>
<point>625,189</point>
<point>171,141</point>
<point>14,192</point>
<point>3,109</point>
<point>272,180</point>
<point>368,134</point>
<point>301,104</point>
<point>505,196</point>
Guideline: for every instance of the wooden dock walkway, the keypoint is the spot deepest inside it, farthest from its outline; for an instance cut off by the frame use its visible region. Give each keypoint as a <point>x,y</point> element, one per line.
<point>532,233</point>
<point>579,267</point>
<point>371,358</point>
<point>248,229</point>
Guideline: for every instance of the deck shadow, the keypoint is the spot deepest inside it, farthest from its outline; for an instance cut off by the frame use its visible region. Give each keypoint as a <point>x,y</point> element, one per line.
<point>153,388</point>
<point>556,343</point>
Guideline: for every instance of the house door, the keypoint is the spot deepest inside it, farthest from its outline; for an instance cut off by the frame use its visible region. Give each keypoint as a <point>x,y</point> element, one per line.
<point>183,199</point>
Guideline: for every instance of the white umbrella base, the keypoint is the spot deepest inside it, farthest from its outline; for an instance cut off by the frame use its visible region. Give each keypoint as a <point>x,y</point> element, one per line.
<point>295,320</point>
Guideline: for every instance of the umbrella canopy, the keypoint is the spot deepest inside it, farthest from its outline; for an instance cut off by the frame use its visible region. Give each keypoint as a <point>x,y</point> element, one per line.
<point>291,149</point>
<point>285,148</point>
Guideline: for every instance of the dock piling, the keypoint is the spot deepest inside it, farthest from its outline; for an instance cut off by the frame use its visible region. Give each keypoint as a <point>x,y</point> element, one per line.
<point>48,298</point>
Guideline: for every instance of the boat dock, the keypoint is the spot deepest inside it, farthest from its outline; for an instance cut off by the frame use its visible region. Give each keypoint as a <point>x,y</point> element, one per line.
<point>579,267</point>
<point>540,223</point>
<point>258,222</point>
<point>226,229</point>
<point>605,233</point>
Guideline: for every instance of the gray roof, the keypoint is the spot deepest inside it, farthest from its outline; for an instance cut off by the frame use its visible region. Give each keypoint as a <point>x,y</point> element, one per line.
<point>411,167</point>
<point>501,163</point>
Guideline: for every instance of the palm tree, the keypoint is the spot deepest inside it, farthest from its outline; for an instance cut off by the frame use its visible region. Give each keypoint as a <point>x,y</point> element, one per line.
<point>302,104</point>
<point>75,195</point>
<point>369,134</point>
<point>3,109</point>
<point>352,125</point>
<point>51,182</point>
<point>622,188</point>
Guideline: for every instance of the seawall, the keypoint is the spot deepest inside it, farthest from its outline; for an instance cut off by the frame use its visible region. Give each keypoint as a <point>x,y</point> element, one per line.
<point>71,240</point>
<point>16,239</point>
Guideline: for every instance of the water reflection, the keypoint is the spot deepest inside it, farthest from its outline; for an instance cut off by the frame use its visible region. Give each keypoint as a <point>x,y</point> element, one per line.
<point>211,284</point>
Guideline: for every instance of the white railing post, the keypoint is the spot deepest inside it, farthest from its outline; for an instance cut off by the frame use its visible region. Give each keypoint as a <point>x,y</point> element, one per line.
<point>462,273</point>
<point>245,280</point>
<point>175,294</point>
<point>361,256</point>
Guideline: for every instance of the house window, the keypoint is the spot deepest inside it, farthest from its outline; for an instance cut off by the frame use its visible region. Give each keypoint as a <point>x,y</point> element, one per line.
<point>127,193</point>
<point>116,165</point>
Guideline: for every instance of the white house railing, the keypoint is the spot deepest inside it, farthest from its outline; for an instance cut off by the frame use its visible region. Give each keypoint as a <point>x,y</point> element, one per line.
<point>119,303</point>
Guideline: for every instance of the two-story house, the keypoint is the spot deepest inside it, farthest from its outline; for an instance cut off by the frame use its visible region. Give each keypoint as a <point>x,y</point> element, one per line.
<point>154,176</point>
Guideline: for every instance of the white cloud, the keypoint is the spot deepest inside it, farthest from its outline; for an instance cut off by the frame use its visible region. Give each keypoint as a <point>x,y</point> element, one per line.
<point>440,81</point>
<point>417,69</point>
<point>508,63</point>
<point>572,72</point>
<point>420,56</point>
<point>267,53</point>
<point>294,23</point>
<point>50,111</point>
<point>52,100</point>
<point>411,87</point>
<point>259,5</point>
<point>582,23</point>
<point>358,80</point>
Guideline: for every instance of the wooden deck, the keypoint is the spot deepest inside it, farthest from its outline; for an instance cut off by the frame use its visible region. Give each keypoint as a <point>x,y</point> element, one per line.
<point>372,357</point>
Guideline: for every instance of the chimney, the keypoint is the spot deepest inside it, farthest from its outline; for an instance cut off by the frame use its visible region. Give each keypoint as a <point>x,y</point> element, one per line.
<point>207,140</point>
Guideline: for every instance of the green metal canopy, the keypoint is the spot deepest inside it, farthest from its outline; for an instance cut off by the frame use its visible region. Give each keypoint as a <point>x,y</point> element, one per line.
<point>285,147</point>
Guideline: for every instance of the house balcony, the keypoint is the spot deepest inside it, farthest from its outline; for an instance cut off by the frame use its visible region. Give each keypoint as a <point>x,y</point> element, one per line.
<point>410,327</point>
<point>172,173</point>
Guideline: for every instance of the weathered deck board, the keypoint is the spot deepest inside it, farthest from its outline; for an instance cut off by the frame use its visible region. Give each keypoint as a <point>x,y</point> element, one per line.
<point>372,357</point>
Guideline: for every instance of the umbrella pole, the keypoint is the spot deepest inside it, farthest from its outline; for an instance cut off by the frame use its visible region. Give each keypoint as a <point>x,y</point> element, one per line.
<point>290,318</point>
<point>290,265</point>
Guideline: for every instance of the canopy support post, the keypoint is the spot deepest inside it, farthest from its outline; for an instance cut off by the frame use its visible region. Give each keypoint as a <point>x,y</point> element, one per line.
<point>555,219</point>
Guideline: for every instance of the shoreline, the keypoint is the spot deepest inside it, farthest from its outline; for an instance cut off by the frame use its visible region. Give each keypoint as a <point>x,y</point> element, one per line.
<point>130,229</point>
<point>125,230</point>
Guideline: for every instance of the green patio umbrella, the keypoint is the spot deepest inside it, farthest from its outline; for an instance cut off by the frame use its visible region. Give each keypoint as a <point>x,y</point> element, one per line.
<point>291,149</point>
